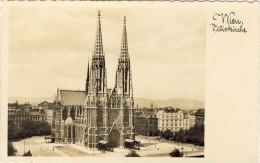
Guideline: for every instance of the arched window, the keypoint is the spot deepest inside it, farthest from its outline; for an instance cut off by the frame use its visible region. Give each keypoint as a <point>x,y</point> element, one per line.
<point>64,114</point>
<point>72,113</point>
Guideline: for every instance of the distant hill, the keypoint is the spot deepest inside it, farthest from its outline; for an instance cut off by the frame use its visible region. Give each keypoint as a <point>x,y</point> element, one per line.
<point>181,103</point>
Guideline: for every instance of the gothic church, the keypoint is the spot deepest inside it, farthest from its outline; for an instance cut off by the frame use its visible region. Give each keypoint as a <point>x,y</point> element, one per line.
<point>97,113</point>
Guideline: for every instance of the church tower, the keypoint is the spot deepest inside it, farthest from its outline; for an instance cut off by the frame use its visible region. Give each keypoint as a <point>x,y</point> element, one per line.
<point>96,77</point>
<point>96,90</point>
<point>124,73</point>
<point>97,113</point>
<point>121,102</point>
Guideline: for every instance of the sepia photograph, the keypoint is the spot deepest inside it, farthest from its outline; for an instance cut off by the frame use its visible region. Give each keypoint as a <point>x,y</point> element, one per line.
<point>99,81</point>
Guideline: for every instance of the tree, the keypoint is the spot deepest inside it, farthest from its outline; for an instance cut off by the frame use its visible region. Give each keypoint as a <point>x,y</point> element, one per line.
<point>156,132</point>
<point>194,135</point>
<point>28,128</point>
<point>27,153</point>
<point>176,153</point>
<point>36,128</point>
<point>11,149</point>
<point>150,133</point>
<point>167,134</point>
<point>132,153</point>
<point>13,131</point>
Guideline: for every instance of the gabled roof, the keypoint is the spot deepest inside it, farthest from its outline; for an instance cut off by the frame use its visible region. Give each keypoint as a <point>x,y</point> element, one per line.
<point>69,121</point>
<point>73,97</point>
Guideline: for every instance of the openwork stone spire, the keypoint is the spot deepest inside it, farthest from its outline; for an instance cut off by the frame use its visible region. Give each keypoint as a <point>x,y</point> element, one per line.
<point>97,69</point>
<point>98,49</point>
<point>124,44</point>
<point>124,74</point>
<point>87,80</point>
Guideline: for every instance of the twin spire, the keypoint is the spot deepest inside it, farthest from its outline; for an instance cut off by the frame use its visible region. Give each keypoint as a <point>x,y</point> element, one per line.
<point>98,50</point>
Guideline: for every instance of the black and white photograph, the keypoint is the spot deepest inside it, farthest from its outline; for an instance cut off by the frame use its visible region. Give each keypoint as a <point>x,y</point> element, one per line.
<point>129,81</point>
<point>98,81</point>
<point>101,82</point>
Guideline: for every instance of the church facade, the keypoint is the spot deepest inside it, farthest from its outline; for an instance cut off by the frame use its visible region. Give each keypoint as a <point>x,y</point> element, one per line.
<point>97,113</point>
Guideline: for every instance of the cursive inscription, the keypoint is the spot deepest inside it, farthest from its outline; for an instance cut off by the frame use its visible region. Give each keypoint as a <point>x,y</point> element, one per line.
<point>227,23</point>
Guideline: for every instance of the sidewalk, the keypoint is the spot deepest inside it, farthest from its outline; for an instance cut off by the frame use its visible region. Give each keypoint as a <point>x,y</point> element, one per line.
<point>52,147</point>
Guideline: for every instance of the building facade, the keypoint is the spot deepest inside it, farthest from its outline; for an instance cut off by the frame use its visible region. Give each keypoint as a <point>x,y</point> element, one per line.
<point>172,119</point>
<point>192,118</point>
<point>48,110</point>
<point>97,113</point>
<point>146,122</point>
<point>16,117</point>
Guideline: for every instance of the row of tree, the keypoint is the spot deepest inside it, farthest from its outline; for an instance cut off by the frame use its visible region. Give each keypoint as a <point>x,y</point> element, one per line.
<point>194,135</point>
<point>11,150</point>
<point>28,128</point>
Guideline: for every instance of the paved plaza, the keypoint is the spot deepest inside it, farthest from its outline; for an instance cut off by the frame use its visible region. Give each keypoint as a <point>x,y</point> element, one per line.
<point>150,147</point>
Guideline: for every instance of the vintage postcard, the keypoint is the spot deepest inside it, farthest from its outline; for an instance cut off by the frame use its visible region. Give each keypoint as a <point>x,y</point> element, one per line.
<point>103,81</point>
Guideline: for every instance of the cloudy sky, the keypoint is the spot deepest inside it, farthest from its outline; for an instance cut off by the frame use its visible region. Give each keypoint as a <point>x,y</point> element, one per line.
<point>49,47</point>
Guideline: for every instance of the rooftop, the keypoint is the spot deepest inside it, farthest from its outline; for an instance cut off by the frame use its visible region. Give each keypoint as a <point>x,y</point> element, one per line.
<point>200,112</point>
<point>73,97</point>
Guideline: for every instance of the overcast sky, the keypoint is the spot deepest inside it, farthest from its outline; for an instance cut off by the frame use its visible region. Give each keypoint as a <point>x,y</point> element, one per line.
<point>50,48</point>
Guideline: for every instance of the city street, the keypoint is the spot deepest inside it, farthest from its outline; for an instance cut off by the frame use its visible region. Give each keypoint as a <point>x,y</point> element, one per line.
<point>150,147</point>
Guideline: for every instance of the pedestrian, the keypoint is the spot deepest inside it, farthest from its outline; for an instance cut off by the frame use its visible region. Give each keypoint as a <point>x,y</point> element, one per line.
<point>53,149</point>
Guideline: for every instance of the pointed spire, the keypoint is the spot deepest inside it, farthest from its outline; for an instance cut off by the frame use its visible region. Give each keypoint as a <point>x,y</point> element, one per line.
<point>99,15</point>
<point>98,50</point>
<point>87,80</point>
<point>88,71</point>
<point>124,20</point>
<point>124,44</point>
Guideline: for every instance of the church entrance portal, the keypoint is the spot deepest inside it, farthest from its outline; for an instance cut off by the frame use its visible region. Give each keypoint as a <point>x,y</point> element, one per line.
<point>114,138</point>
